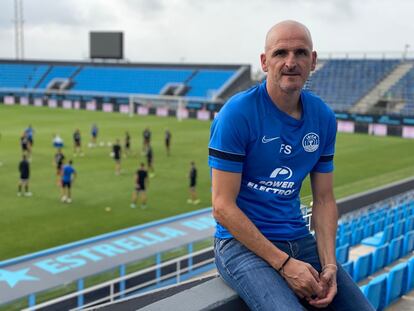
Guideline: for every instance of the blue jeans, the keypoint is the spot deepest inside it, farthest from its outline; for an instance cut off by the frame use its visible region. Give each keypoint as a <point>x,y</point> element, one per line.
<point>261,286</point>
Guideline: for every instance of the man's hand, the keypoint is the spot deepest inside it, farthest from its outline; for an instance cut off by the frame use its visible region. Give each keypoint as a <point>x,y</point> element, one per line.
<point>328,282</point>
<point>303,279</point>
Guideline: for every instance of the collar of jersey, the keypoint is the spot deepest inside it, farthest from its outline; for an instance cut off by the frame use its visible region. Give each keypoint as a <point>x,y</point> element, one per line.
<point>284,117</point>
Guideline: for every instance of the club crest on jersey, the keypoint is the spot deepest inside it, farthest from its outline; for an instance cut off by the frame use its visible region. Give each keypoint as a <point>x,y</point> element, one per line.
<point>310,142</point>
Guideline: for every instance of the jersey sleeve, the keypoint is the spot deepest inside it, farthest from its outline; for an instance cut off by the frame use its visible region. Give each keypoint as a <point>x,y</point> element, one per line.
<point>325,163</point>
<point>228,140</point>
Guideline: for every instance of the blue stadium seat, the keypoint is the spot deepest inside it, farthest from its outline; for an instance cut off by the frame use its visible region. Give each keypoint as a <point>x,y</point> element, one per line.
<point>368,230</point>
<point>379,258</point>
<point>410,276</point>
<point>349,267</point>
<point>342,253</point>
<point>346,238</point>
<point>409,224</point>
<point>357,235</point>
<point>362,267</point>
<point>379,225</point>
<point>394,250</point>
<point>408,245</point>
<point>376,291</point>
<point>398,228</point>
<point>396,282</point>
<point>380,238</point>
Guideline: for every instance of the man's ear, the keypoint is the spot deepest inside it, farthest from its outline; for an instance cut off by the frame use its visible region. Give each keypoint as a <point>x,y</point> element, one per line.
<point>314,57</point>
<point>263,62</point>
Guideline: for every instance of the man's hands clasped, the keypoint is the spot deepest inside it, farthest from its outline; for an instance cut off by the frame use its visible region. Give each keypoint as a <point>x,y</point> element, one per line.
<point>318,289</point>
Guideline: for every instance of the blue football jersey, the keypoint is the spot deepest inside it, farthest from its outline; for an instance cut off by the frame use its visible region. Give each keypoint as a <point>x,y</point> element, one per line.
<point>274,152</point>
<point>67,173</point>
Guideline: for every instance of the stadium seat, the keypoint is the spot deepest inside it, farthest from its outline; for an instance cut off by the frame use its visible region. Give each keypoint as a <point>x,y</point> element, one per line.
<point>380,238</point>
<point>379,225</point>
<point>409,224</point>
<point>396,282</point>
<point>394,250</point>
<point>357,235</point>
<point>408,245</point>
<point>398,215</point>
<point>342,253</point>
<point>379,258</point>
<point>346,238</point>
<point>398,228</point>
<point>376,291</point>
<point>410,276</point>
<point>362,267</point>
<point>368,230</point>
<point>349,267</point>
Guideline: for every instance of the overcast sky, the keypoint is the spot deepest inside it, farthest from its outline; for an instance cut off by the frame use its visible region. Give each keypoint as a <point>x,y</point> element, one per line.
<point>204,31</point>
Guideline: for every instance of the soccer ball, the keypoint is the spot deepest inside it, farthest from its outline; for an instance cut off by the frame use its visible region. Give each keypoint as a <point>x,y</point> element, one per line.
<point>107,209</point>
<point>111,154</point>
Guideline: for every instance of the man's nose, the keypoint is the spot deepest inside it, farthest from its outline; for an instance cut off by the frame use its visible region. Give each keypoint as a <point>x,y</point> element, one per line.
<point>290,61</point>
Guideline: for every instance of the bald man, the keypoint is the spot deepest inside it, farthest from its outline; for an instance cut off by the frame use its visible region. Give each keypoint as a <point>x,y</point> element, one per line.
<point>263,144</point>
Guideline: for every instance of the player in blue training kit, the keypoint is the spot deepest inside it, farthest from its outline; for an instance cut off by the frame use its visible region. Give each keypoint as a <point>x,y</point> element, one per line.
<point>67,177</point>
<point>263,144</point>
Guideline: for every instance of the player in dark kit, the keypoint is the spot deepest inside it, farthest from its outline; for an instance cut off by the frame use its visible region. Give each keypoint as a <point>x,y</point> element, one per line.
<point>146,135</point>
<point>150,158</point>
<point>58,162</point>
<point>127,143</point>
<point>24,170</point>
<point>116,153</point>
<point>77,145</point>
<point>192,176</point>
<point>167,141</point>
<point>29,133</point>
<point>141,183</point>
<point>25,145</point>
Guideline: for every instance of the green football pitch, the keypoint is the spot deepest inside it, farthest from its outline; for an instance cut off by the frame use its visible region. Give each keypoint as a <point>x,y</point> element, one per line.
<point>34,223</point>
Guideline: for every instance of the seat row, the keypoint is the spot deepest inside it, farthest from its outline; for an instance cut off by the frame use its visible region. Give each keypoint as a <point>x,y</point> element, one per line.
<point>387,288</point>
<point>376,223</point>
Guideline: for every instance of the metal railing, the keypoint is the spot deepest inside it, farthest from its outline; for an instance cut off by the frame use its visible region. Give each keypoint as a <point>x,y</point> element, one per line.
<point>113,295</point>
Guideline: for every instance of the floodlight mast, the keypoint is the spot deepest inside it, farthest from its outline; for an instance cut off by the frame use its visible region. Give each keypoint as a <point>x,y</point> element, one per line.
<point>19,29</point>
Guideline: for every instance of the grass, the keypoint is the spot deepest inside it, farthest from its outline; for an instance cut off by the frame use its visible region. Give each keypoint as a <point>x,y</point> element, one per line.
<point>42,221</point>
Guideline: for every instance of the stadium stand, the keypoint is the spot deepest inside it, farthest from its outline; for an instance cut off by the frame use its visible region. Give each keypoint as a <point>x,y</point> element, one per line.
<point>336,78</point>
<point>367,86</point>
<point>127,80</point>
<point>56,72</point>
<point>201,81</point>
<point>21,75</point>
<point>404,91</point>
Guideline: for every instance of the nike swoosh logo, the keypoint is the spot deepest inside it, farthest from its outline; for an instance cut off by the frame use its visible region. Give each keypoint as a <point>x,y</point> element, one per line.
<point>268,140</point>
